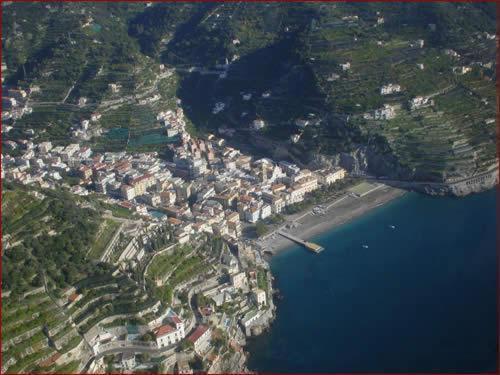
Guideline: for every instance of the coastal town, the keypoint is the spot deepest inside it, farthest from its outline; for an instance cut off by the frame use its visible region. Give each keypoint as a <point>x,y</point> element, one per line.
<point>206,192</point>
<point>188,232</point>
<point>195,187</point>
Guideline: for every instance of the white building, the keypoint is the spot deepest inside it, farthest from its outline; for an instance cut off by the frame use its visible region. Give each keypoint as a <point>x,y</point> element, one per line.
<point>258,124</point>
<point>171,333</point>
<point>451,53</point>
<point>128,192</point>
<point>200,338</point>
<point>418,43</point>
<point>295,196</point>
<point>250,317</point>
<point>239,280</point>
<point>128,361</point>
<point>419,102</point>
<point>265,211</point>
<point>260,297</point>
<point>114,87</point>
<point>387,112</point>
<point>166,335</point>
<point>390,88</point>
<point>44,147</point>
<point>95,117</point>
<point>252,214</point>
<point>345,66</point>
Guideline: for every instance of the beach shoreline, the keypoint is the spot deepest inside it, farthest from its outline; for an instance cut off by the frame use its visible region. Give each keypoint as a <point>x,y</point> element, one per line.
<point>338,212</point>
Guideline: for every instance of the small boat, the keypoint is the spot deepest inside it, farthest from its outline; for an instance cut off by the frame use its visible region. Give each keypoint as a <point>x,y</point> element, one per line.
<point>392,226</point>
<point>365,246</point>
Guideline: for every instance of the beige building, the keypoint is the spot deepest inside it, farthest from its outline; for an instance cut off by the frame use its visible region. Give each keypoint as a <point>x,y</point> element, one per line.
<point>141,183</point>
<point>127,191</point>
<point>260,297</point>
<point>239,280</point>
<point>329,176</point>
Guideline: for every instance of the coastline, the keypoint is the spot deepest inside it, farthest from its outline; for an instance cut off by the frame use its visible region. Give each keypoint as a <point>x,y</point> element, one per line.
<point>332,286</point>
<point>339,212</point>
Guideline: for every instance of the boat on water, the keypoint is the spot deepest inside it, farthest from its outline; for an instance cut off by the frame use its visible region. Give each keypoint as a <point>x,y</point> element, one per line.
<point>392,226</point>
<point>365,246</point>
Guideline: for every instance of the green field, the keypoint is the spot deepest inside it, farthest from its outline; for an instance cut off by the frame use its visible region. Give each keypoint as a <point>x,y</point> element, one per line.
<point>106,233</point>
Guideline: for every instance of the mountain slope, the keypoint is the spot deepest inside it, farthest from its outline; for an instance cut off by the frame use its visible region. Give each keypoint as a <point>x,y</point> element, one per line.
<point>322,64</point>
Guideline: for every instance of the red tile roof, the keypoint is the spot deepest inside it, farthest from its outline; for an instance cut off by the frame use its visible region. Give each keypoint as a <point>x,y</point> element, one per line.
<point>126,205</point>
<point>50,361</point>
<point>174,221</point>
<point>73,297</point>
<point>176,319</point>
<point>198,332</point>
<point>98,166</point>
<point>245,198</point>
<point>141,178</point>
<point>163,330</point>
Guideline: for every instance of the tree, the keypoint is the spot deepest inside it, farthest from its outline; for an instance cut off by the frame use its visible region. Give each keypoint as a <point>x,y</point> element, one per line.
<point>201,301</point>
<point>183,296</point>
<point>260,229</point>
<point>197,364</point>
<point>147,337</point>
<point>185,345</point>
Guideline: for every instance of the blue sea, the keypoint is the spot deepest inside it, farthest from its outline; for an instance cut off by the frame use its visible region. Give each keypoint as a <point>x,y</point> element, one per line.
<point>420,298</point>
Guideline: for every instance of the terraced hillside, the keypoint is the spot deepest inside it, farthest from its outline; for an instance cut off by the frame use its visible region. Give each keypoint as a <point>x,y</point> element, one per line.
<point>47,238</point>
<point>107,298</point>
<point>313,72</point>
<point>36,335</point>
<point>40,233</point>
<point>449,137</point>
<point>332,66</point>
<point>78,60</point>
<point>58,289</point>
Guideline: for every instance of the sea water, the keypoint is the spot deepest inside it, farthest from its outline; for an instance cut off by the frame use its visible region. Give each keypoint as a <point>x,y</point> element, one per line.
<point>417,298</point>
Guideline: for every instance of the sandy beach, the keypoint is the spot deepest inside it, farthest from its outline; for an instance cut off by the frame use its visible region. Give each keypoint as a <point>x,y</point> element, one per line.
<point>338,212</point>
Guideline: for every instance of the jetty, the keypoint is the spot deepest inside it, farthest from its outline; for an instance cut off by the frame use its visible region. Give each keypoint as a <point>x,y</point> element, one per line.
<point>308,245</point>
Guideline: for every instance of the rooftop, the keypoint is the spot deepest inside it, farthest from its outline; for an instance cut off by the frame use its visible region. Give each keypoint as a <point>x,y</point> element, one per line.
<point>198,332</point>
<point>164,330</point>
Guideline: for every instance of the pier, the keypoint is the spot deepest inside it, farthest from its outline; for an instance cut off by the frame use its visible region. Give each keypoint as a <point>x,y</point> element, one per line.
<point>308,245</point>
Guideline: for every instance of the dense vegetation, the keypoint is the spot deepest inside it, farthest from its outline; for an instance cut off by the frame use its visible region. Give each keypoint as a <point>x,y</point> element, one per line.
<point>47,237</point>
